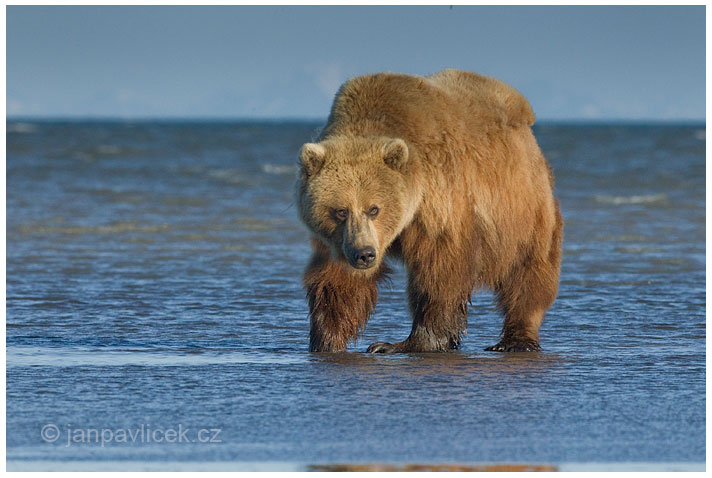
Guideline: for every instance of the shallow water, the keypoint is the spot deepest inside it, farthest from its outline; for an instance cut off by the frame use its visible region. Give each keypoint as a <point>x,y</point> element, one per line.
<point>153,280</point>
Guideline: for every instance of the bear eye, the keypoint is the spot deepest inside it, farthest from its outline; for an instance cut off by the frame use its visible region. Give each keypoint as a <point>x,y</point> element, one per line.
<point>373,212</point>
<point>341,214</point>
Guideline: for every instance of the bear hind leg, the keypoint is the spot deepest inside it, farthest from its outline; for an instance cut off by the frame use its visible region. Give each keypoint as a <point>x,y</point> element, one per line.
<point>526,294</point>
<point>524,298</point>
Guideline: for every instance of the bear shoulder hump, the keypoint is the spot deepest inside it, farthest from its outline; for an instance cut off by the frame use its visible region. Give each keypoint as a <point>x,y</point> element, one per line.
<point>487,92</point>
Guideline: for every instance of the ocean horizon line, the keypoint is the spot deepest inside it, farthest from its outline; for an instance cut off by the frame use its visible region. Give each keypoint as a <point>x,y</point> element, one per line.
<point>322,120</point>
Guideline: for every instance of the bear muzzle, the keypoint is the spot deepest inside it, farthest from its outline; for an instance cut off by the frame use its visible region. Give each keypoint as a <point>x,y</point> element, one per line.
<point>363,258</point>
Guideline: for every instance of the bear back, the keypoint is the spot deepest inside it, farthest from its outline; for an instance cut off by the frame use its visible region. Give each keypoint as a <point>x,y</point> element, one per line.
<point>393,104</point>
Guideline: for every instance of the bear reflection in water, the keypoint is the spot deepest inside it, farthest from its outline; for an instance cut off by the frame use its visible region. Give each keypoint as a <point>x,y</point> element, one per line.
<point>444,174</point>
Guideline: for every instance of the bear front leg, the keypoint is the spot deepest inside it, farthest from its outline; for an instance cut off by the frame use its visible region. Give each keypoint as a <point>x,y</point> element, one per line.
<point>437,326</point>
<point>341,299</point>
<point>438,291</point>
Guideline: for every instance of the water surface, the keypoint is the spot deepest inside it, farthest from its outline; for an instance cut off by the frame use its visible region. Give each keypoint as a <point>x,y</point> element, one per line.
<point>153,279</point>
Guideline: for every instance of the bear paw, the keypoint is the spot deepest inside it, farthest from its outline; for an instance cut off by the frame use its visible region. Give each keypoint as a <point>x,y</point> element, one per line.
<point>515,346</point>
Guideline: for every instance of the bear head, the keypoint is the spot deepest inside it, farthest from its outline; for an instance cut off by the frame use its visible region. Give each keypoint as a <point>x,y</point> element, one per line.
<point>356,195</point>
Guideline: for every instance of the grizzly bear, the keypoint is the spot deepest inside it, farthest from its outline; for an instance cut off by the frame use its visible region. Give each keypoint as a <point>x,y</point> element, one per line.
<point>444,174</point>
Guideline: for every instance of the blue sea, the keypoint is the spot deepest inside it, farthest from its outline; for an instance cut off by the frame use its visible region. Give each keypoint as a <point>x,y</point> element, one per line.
<point>156,320</point>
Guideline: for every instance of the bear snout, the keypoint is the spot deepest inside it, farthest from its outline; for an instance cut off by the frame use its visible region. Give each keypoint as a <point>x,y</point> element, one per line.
<point>364,258</point>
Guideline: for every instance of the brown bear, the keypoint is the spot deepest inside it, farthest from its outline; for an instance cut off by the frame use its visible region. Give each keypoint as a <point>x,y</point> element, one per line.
<point>442,173</point>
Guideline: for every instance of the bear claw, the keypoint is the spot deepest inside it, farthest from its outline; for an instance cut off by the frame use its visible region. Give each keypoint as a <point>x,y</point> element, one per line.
<point>381,348</point>
<point>514,347</point>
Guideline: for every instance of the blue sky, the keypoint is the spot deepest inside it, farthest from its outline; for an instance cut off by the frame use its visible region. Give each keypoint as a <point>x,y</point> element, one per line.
<point>595,63</point>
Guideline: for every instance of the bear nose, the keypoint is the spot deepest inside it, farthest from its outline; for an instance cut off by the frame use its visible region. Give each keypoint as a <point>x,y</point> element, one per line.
<point>364,257</point>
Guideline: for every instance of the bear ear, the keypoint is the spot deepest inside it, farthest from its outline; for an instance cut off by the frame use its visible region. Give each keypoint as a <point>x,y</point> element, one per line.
<point>312,158</point>
<point>395,154</point>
